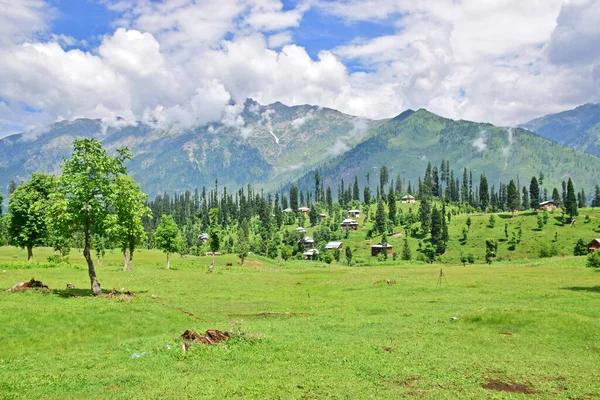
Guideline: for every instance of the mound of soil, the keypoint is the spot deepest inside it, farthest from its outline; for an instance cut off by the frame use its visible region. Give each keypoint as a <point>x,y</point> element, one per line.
<point>210,337</point>
<point>125,296</point>
<point>511,387</point>
<point>32,284</point>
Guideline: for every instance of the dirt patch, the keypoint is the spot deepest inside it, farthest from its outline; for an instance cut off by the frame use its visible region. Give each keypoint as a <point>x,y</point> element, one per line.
<point>388,282</point>
<point>387,349</point>
<point>253,263</point>
<point>125,297</point>
<point>32,284</point>
<point>272,314</point>
<point>510,387</point>
<point>210,337</point>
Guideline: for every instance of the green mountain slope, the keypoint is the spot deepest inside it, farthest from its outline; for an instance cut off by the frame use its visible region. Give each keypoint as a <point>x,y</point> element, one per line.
<point>408,142</point>
<point>578,128</point>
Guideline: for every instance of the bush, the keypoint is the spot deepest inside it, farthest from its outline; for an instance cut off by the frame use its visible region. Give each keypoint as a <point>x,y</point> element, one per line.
<point>580,248</point>
<point>593,260</point>
<point>548,250</point>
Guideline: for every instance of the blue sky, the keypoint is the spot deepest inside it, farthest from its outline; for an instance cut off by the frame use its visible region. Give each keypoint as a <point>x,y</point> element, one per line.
<point>188,62</point>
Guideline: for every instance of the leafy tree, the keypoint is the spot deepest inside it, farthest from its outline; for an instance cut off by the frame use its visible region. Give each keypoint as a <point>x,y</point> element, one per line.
<point>471,258</point>
<point>28,210</point>
<point>580,248</point>
<point>506,230</point>
<point>380,218</point>
<point>492,220</point>
<point>336,255</point>
<point>126,226</point>
<point>214,235</point>
<point>167,237</point>
<point>593,260</point>
<point>328,258</point>
<point>571,200</point>
<point>243,244</point>
<point>286,252</point>
<point>468,223</point>
<point>348,255</point>
<point>491,249</point>
<point>406,254</point>
<point>84,199</point>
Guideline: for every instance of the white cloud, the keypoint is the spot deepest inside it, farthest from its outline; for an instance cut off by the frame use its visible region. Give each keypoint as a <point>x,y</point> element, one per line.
<point>188,62</point>
<point>480,144</point>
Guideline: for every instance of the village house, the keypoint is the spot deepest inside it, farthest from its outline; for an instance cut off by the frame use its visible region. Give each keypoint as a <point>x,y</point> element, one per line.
<point>287,210</point>
<point>408,199</point>
<point>203,237</point>
<point>594,244</point>
<point>353,213</point>
<point>304,210</point>
<point>349,224</point>
<point>310,254</point>
<point>322,216</point>
<point>333,246</point>
<point>549,205</point>
<point>300,229</point>
<point>380,248</point>
<point>309,242</point>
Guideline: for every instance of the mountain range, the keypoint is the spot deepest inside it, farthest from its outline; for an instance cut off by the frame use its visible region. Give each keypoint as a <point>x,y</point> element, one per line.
<point>277,145</point>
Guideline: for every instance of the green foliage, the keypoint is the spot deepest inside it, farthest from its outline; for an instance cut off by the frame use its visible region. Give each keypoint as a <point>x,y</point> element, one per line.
<point>214,231</point>
<point>548,250</point>
<point>593,260</point>
<point>28,210</point>
<point>348,254</point>
<point>243,244</point>
<point>491,250</point>
<point>571,200</point>
<point>406,253</point>
<point>492,221</point>
<point>380,218</point>
<point>580,248</point>
<point>167,236</point>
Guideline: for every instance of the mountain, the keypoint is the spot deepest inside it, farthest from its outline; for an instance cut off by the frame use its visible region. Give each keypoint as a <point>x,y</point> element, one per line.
<point>578,128</point>
<point>406,144</point>
<point>275,145</point>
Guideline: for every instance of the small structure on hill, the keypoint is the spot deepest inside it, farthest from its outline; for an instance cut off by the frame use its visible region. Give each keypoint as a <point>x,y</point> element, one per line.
<point>381,248</point>
<point>322,216</point>
<point>300,229</point>
<point>333,246</point>
<point>203,237</point>
<point>353,213</point>
<point>349,224</point>
<point>310,254</point>
<point>408,198</point>
<point>304,210</point>
<point>287,210</point>
<point>594,244</point>
<point>549,205</point>
<point>309,242</point>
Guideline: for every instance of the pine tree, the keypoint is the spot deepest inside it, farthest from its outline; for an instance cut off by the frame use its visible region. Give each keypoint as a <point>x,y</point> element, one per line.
<point>425,214</point>
<point>392,206</point>
<point>525,202</point>
<point>570,200</point>
<point>355,190</point>
<point>512,197</point>
<point>380,218</point>
<point>484,196</point>
<point>406,255</point>
<point>596,201</point>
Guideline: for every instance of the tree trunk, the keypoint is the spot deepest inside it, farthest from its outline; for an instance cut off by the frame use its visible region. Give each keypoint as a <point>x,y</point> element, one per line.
<point>212,264</point>
<point>96,289</point>
<point>168,261</point>
<point>131,259</point>
<point>242,258</point>
<point>29,252</point>
<point>125,259</point>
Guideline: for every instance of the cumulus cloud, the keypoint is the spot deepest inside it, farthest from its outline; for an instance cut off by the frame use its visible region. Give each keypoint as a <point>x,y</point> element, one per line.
<point>339,147</point>
<point>188,62</point>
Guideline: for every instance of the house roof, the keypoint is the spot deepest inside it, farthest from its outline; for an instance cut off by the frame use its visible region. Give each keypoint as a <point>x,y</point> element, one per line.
<point>300,229</point>
<point>203,236</point>
<point>287,210</point>
<point>333,245</point>
<point>543,203</point>
<point>380,246</point>
<point>596,240</point>
<point>353,211</point>
<point>408,196</point>
<point>310,252</point>
<point>349,221</point>
<point>303,209</point>
<point>308,239</point>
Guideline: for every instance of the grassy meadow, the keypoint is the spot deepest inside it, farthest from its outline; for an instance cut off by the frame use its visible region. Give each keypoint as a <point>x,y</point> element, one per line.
<point>381,331</point>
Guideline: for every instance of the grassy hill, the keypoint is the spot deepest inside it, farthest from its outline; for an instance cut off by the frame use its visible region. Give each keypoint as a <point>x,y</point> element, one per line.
<point>330,332</point>
<point>407,143</point>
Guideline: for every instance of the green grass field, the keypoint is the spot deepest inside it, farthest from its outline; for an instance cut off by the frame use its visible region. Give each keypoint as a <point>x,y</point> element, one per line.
<point>534,323</point>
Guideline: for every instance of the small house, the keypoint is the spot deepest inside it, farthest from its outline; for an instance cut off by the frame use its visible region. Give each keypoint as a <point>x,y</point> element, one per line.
<point>322,216</point>
<point>380,248</point>
<point>203,237</point>
<point>549,205</point>
<point>349,224</point>
<point>300,229</point>
<point>333,246</point>
<point>287,210</point>
<point>408,199</point>
<point>594,244</point>
<point>353,213</point>
<point>310,254</point>
<point>309,242</point>
<point>304,210</point>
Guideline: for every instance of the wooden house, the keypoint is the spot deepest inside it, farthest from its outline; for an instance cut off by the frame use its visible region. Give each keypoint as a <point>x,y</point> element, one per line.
<point>309,242</point>
<point>380,248</point>
<point>349,224</point>
<point>310,254</point>
<point>304,210</point>
<point>333,246</point>
<point>203,237</point>
<point>408,199</point>
<point>301,230</point>
<point>549,205</point>
<point>594,244</point>
<point>353,213</point>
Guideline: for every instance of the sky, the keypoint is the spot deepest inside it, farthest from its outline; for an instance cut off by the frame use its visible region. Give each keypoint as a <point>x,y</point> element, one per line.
<point>182,63</point>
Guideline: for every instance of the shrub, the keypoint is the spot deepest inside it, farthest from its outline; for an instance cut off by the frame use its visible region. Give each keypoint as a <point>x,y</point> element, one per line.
<point>593,260</point>
<point>548,250</point>
<point>580,248</point>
